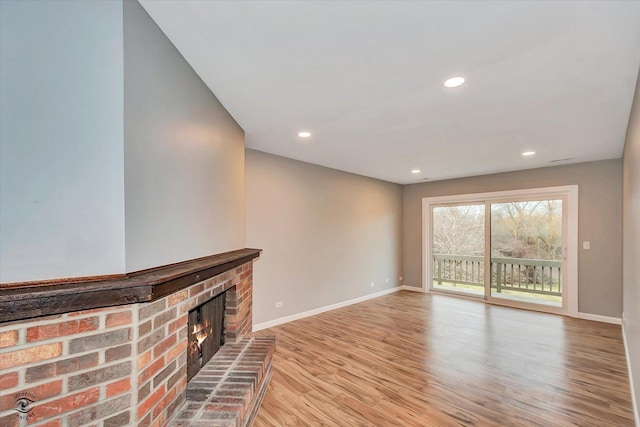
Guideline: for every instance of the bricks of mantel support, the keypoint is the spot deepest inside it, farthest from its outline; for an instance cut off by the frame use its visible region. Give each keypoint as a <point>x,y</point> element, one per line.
<point>82,368</point>
<point>229,389</point>
<point>67,367</point>
<point>162,342</point>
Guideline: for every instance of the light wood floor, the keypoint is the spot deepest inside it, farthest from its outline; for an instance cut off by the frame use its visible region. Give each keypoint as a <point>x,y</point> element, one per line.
<point>410,359</point>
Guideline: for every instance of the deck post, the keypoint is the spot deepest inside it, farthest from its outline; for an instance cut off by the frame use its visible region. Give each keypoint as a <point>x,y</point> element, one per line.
<point>498,277</point>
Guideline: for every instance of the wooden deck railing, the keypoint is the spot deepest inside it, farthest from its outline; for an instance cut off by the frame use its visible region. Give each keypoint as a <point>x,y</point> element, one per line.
<point>523,275</point>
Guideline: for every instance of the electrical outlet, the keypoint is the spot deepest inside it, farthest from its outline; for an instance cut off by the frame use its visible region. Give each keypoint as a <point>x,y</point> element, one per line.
<point>386,280</point>
<point>279,304</point>
<point>400,278</point>
<point>586,244</point>
<point>372,284</point>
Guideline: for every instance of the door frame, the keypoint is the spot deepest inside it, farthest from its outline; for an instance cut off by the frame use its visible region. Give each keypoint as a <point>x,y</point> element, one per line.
<point>570,192</point>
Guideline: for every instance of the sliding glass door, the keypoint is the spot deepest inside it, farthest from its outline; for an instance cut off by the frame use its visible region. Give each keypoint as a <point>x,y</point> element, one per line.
<point>527,248</point>
<point>507,250</point>
<point>458,248</point>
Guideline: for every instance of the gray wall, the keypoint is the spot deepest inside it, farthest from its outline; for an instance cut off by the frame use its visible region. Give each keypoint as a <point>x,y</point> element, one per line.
<point>184,155</point>
<point>599,211</point>
<point>114,155</point>
<point>61,147</point>
<point>326,234</point>
<point>631,228</point>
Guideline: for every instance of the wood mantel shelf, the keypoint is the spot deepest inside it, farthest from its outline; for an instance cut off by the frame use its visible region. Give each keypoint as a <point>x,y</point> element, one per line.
<point>27,300</point>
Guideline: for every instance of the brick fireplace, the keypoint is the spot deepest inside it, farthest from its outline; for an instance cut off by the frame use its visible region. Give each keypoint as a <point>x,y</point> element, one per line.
<point>126,364</point>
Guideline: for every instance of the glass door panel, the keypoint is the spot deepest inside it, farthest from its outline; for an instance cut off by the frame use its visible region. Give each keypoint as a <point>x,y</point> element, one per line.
<point>527,251</point>
<point>458,248</point>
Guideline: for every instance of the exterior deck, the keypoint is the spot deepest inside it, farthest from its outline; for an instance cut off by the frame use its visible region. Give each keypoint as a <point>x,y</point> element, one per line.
<point>532,278</point>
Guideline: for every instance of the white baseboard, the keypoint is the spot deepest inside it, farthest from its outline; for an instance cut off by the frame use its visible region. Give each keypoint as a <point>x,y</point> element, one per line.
<point>411,288</point>
<point>634,401</point>
<point>598,318</point>
<point>286,319</point>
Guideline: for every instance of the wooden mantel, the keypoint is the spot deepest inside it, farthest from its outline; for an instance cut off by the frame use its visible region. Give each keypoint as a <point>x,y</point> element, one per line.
<point>20,301</point>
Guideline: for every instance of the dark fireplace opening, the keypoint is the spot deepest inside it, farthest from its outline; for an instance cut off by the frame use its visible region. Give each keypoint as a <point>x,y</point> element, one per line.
<point>206,333</point>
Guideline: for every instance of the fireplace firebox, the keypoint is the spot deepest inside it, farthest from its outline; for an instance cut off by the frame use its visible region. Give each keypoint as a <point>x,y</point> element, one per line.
<point>206,333</point>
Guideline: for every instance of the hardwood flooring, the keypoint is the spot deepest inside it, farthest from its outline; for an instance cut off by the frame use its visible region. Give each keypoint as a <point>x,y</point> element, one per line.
<point>411,359</point>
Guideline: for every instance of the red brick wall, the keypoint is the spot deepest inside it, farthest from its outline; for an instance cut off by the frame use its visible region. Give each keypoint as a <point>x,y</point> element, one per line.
<point>239,304</point>
<point>111,367</point>
<point>74,368</point>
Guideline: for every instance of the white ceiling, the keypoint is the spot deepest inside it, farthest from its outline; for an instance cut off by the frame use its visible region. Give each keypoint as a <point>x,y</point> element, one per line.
<point>366,78</point>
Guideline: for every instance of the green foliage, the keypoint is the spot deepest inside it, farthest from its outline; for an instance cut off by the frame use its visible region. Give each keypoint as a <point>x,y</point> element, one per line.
<point>531,230</point>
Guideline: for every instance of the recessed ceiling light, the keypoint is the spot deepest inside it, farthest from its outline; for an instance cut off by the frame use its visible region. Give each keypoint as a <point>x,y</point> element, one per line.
<point>415,171</point>
<point>304,134</point>
<point>454,81</point>
<point>528,153</point>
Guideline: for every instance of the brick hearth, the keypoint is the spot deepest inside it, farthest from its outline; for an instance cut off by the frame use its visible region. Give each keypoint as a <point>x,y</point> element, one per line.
<point>117,366</point>
<point>228,390</point>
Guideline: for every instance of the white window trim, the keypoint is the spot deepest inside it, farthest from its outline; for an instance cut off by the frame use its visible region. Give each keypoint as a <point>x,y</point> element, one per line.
<point>568,191</point>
